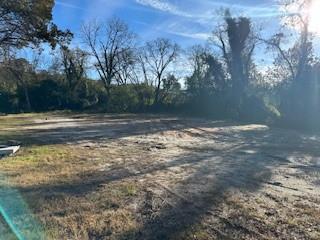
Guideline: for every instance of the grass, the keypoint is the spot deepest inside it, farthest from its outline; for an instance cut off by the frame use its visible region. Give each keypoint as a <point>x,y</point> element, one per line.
<point>37,169</point>
<point>38,165</point>
<point>5,231</point>
<point>128,190</point>
<point>196,232</point>
<point>9,125</point>
<point>94,216</point>
<point>64,215</point>
<point>16,120</point>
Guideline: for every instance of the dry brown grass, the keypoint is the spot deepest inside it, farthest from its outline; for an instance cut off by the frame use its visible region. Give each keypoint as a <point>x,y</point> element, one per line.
<point>43,174</point>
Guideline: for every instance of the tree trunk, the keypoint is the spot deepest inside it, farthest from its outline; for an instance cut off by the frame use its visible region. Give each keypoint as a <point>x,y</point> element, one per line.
<point>157,93</point>
<point>27,98</point>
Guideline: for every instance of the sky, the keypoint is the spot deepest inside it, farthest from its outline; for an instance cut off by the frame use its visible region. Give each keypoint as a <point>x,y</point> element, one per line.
<point>187,22</point>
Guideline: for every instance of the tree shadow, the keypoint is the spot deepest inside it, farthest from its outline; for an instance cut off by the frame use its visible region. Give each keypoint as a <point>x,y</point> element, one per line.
<point>91,180</point>
<point>100,128</point>
<point>245,164</point>
<point>247,167</point>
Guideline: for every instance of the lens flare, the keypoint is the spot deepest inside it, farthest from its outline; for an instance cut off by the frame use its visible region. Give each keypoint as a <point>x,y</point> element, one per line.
<point>15,212</point>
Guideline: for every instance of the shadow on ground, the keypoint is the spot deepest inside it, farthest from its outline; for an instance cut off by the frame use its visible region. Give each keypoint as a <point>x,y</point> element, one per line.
<point>245,165</point>
<point>98,128</point>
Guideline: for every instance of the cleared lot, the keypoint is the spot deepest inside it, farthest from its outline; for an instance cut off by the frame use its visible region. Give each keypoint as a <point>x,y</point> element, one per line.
<point>163,177</point>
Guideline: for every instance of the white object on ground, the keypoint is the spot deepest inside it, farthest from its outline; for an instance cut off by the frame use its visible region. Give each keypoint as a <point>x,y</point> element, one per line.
<point>8,150</point>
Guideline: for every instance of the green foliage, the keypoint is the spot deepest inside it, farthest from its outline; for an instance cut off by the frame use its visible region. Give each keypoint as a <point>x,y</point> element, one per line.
<point>208,78</point>
<point>123,99</point>
<point>8,102</point>
<point>28,21</point>
<point>254,109</point>
<point>47,95</point>
<point>130,98</point>
<point>171,92</point>
<point>300,102</point>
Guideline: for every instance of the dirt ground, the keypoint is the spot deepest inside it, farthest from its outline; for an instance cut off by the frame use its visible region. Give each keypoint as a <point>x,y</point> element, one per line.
<point>162,177</point>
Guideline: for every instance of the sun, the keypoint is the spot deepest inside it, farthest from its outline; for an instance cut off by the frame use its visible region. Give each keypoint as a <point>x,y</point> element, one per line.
<point>314,17</point>
<point>308,10</point>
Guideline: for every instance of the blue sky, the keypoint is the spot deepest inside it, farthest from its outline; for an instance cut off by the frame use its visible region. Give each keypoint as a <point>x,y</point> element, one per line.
<point>185,21</point>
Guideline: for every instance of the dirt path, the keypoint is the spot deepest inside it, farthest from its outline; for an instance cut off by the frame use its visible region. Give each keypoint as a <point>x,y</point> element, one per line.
<point>192,179</point>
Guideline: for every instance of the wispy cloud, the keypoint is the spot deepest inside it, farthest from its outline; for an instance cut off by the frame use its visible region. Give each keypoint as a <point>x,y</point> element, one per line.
<point>196,35</point>
<point>164,6</point>
<point>262,11</point>
<point>68,5</point>
<point>194,19</point>
<point>187,30</point>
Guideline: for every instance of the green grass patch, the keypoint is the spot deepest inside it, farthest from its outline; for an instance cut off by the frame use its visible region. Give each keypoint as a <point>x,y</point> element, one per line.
<point>128,189</point>
<point>37,154</point>
<point>12,121</point>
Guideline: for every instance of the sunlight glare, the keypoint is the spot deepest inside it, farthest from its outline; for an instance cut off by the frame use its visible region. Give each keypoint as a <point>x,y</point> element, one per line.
<point>314,15</point>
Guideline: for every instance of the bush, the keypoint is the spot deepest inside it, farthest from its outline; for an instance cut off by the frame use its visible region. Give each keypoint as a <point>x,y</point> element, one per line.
<point>130,98</point>
<point>8,102</point>
<point>254,109</point>
<point>122,99</point>
<point>47,95</point>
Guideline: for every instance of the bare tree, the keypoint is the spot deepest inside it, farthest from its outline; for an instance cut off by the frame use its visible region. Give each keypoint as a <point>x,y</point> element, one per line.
<point>197,60</point>
<point>127,68</point>
<point>109,44</point>
<point>74,62</point>
<point>293,60</point>
<point>294,64</point>
<point>156,58</point>
<point>142,62</point>
<point>296,58</point>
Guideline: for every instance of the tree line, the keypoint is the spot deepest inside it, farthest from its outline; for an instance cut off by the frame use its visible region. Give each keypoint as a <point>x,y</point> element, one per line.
<point>225,80</point>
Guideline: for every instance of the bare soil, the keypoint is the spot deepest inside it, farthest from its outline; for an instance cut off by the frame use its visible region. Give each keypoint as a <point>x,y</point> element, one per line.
<point>164,177</point>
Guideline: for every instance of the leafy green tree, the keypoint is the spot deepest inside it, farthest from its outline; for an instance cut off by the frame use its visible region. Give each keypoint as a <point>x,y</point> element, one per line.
<point>74,66</point>
<point>22,71</point>
<point>171,90</point>
<point>237,42</point>
<point>208,75</point>
<point>28,21</point>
